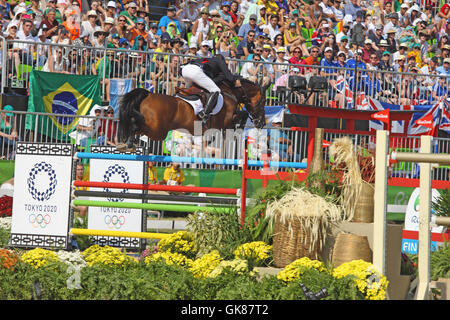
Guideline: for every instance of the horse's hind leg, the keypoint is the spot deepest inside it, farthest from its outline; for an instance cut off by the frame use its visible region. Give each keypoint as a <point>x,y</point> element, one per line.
<point>132,141</point>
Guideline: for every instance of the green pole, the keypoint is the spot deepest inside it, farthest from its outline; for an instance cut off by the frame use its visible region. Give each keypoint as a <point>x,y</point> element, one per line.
<point>150,206</point>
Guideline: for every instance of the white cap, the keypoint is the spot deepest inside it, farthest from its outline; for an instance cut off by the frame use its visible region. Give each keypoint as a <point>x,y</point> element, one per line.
<point>368,41</point>
<point>404,5</point>
<point>109,20</point>
<point>326,25</point>
<point>111,4</point>
<point>205,43</point>
<point>92,13</point>
<point>341,52</point>
<point>328,49</point>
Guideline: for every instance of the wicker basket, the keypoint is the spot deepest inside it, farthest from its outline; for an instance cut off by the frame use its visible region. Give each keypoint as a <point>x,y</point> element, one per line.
<point>350,247</point>
<point>365,204</point>
<point>288,247</point>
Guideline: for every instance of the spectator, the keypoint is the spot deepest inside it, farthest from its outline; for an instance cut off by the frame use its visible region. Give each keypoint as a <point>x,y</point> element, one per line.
<point>173,175</point>
<point>90,25</point>
<point>245,28</point>
<point>315,13</point>
<point>200,29</point>
<point>356,62</point>
<point>247,46</point>
<point>293,38</point>
<point>205,50</point>
<point>225,17</point>
<point>368,51</point>
<point>272,28</point>
<point>297,56</point>
<point>130,14</point>
<point>224,44</point>
<point>385,63</point>
<point>107,130</point>
<point>138,30</point>
<point>50,23</point>
<point>111,10</point>
<point>344,32</point>
<point>87,127</point>
<point>280,69</point>
<point>123,28</point>
<point>100,38</point>
<point>254,71</point>
<point>280,144</point>
<point>445,68</point>
<point>152,173</point>
<point>352,9</point>
<point>278,42</point>
<point>8,132</point>
<point>80,175</point>
<point>440,89</point>
<point>165,20</point>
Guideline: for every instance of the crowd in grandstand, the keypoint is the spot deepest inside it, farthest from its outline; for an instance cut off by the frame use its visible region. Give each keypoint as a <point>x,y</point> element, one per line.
<point>395,36</point>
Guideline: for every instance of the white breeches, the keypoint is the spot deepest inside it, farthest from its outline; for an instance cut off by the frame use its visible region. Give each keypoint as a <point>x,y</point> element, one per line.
<point>194,74</point>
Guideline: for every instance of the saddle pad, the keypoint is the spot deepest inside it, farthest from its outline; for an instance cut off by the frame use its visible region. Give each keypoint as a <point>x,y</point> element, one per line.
<point>197,105</point>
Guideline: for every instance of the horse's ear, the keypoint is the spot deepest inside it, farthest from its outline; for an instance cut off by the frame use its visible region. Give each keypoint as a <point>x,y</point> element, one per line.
<point>263,89</point>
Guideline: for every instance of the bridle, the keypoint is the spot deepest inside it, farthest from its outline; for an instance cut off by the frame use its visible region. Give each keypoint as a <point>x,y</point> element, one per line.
<point>255,114</point>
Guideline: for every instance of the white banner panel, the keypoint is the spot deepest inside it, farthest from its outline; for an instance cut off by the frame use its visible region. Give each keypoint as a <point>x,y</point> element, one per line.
<point>116,219</point>
<point>41,206</point>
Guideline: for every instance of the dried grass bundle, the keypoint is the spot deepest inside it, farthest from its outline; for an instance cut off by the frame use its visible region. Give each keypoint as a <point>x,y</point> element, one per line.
<point>315,213</point>
<point>342,152</point>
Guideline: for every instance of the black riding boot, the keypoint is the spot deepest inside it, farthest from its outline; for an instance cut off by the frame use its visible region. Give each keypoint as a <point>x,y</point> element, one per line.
<point>211,102</point>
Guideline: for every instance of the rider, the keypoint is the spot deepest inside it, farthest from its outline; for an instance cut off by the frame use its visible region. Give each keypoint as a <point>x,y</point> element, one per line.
<point>202,72</point>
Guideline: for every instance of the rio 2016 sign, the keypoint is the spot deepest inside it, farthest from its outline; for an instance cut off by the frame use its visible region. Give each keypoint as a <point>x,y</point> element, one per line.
<point>410,241</point>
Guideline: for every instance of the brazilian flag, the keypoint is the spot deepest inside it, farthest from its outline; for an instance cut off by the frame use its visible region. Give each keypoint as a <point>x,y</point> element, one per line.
<point>60,94</point>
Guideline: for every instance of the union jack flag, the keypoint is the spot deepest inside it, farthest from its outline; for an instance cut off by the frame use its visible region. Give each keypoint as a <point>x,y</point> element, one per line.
<point>342,87</point>
<point>416,129</point>
<point>445,120</point>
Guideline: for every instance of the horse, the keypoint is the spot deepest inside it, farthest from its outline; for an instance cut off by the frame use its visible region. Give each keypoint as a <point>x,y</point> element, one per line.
<point>154,114</point>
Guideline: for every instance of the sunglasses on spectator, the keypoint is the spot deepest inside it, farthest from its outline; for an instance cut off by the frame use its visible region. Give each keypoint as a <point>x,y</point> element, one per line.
<point>252,19</point>
<point>258,51</point>
<point>122,20</point>
<point>314,51</point>
<point>298,51</point>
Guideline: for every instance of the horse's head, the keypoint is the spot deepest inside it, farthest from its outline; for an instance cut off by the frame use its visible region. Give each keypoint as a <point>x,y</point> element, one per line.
<point>254,98</point>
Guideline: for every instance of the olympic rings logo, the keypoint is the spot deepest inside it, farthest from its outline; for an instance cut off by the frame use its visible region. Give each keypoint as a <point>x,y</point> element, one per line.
<point>116,170</point>
<point>39,220</point>
<point>114,222</point>
<point>39,168</point>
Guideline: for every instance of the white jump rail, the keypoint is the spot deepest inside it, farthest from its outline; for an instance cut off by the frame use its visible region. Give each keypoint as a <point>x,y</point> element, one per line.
<point>426,160</point>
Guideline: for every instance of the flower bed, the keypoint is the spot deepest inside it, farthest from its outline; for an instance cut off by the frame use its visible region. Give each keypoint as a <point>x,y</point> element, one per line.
<point>172,271</point>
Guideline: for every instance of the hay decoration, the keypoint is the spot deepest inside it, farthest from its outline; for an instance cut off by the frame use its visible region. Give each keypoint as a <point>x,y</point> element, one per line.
<point>342,152</point>
<point>315,212</point>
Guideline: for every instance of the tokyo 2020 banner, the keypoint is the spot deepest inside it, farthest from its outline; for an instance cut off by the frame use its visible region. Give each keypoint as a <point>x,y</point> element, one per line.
<point>41,198</point>
<point>116,219</point>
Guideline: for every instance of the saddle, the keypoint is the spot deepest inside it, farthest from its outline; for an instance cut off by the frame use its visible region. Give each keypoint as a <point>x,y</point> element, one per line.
<point>192,93</point>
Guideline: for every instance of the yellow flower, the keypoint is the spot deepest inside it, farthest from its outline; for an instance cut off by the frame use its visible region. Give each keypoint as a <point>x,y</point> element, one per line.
<point>170,258</point>
<point>39,257</point>
<point>294,270</point>
<point>367,279</point>
<point>257,250</point>
<point>204,265</point>
<point>97,255</point>
<point>238,266</point>
<point>181,242</point>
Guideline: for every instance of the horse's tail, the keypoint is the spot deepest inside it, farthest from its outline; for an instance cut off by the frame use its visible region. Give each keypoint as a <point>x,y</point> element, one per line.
<point>129,116</point>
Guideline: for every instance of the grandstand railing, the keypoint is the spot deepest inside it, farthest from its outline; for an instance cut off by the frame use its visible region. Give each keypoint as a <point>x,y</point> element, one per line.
<point>37,127</point>
<point>348,88</point>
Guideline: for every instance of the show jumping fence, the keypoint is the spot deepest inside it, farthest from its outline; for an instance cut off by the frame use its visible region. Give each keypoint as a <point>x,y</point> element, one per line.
<point>426,157</point>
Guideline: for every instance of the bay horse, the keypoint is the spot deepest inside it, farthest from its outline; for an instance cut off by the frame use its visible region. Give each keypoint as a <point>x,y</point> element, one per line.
<point>154,114</point>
